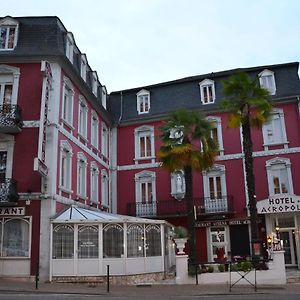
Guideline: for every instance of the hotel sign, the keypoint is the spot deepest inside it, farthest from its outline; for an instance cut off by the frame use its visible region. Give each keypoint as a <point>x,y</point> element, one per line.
<point>222,223</point>
<point>279,204</point>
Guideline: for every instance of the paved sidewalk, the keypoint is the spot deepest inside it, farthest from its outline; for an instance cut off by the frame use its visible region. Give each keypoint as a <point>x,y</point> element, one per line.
<point>141,290</point>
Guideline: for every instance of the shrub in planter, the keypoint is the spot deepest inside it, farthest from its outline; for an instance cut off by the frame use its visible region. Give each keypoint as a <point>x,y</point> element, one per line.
<point>221,268</point>
<point>246,266</point>
<point>210,269</point>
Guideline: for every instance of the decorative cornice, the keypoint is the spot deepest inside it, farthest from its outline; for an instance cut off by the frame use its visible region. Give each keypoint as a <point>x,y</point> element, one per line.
<point>219,158</point>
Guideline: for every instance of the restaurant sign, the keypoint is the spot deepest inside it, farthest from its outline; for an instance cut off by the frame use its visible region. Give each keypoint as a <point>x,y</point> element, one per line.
<point>12,211</point>
<point>279,204</point>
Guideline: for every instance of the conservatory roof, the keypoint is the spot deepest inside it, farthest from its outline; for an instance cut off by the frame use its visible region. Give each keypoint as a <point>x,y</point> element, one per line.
<point>75,214</point>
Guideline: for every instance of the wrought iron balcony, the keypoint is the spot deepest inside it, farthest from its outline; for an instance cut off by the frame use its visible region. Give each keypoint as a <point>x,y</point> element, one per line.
<point>8,193</point>
<point>10,118</point>
<point>173,207</point>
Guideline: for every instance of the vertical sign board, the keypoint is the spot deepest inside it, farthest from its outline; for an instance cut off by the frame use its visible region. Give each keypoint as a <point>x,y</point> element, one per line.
<point>39,162</point>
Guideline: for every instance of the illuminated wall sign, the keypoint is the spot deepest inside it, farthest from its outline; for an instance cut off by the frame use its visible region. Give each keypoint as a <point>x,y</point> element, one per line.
<point>279,204</point>
<point>222,223</point>
<point>12,211</point>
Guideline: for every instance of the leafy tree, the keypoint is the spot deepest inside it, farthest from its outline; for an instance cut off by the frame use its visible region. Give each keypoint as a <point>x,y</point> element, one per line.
<point>181,150</point>
<point>249,107</point>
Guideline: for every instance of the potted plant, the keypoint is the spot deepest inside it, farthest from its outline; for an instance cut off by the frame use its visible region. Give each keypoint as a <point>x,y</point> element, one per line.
<point>181,237</point>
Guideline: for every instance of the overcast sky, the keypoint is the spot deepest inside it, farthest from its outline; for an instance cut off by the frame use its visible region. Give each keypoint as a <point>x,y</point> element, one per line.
<point>132,43</point>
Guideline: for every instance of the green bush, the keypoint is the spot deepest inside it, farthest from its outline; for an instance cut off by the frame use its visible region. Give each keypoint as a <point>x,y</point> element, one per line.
<point>246,266</point>
<point>210,269</point>
<point>221,268</point>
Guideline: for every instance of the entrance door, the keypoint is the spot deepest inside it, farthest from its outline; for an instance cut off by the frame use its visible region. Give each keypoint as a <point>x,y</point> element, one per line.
<point>289,246</point>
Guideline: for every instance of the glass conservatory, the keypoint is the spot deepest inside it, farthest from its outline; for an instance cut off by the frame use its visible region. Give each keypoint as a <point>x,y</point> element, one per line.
<point>84,242</point>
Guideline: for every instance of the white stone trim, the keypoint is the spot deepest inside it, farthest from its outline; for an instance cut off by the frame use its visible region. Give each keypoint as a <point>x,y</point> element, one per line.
<point>94,129</point>
<point>217,123</point>
<point>81,182</point>
<point>94,172</point>
<point>215,171</point>
<point>277,112</point>
<point>67,83</point>
<point>203,84</point>
<point>139,97</point>
<point>8,21</point>
<point>270,164</point>
<point>104,188</point>
<point>149,130</point>
<point>82,105</point>
<point>65,146</point>
<point>267,73</point>
<point>15,72</point>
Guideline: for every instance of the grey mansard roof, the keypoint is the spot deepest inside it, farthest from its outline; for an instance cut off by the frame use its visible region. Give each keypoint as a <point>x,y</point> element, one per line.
<point>44,38</point>
<point>169,96</point>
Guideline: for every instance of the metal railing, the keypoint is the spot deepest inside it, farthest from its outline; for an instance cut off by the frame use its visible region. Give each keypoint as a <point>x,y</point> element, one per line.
<point>174,207</point>
<point>8,193</point>
<point>10,117</point>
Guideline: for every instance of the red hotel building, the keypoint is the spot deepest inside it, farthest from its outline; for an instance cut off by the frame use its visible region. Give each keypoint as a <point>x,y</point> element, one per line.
<point>64,141</point>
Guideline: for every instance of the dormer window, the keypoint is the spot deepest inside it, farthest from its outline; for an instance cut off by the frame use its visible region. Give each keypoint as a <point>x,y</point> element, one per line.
<point>8,33</point>
<point>95,83</point>
<point>83,65</point>
<point>207,91</point>
<point>267,81</point>
<point>70,46</point>
<point>143,101</point>
<point>103,99</point>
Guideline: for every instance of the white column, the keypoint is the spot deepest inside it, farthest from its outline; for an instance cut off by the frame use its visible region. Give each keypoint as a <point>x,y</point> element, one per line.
<point>181,269</point>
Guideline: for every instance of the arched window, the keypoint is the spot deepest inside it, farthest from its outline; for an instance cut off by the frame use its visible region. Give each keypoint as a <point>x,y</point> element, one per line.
<point>88,242</point>
<point>135,241</point>
<point>63,242</point>
<point>113,241</point>
<point>153,240</point>
<point>15,238</point>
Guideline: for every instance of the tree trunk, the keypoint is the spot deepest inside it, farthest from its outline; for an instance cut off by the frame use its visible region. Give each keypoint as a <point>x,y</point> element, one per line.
<point>190,212</point>
<point>248,149</point>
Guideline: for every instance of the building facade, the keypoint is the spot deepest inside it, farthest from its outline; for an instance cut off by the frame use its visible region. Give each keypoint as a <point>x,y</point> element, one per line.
<point>221,203</point>
<point>64,141</point>
<point>54,138</point>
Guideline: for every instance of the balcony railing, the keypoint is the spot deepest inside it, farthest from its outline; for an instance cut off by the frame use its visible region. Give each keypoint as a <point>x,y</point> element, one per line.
<point>179,208</point>
<point>8,193</point>
<point>10,118</point>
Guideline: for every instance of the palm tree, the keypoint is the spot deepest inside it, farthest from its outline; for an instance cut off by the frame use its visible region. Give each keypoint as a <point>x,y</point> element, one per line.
<point>249,106</point>
<point>180,150</point>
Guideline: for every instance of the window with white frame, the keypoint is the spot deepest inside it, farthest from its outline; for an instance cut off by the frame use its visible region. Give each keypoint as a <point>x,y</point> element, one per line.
<point>94,183</point>
<point>135,240</point>
<point>67,102</point>
<point>216,132</point>
<point>279,176</point>
<point>153,240</point>
<point>70,46</point>
<point>63,242</point>
<point>104,140</point>
<point>104,96</point>
<point>143,101</point>
<point>65,166</point>
<point>144,142</point>
<point>267,81</point>
<point>81,175</point>
<point>145,189</point>
<point>274,131</point>
<point>88,242</point>
<point>82,117</point>
<point>215,191</point>
<point>8,33</point>
<point>207,91</point>
<point>9,84</point>
<point>95,83</point>
<point>218,243</point>
<point>113,240</point>
<point>14,237</point>
<point>104,188</point>
<point>83,66</point>
<point>94,129</point>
